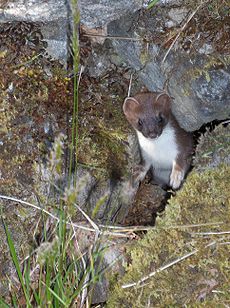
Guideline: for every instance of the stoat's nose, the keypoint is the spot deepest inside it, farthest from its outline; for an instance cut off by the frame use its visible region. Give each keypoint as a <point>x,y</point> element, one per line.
<point>153,135</point>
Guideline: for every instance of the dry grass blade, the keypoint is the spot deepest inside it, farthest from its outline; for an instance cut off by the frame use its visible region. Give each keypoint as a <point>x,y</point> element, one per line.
<point>181,30</point>
<point>146,228</point>
<point>44,211</point>
<point>211,233</point>
<point>130,85</point>
<point>93,224</point>
<point>224,243</point>
<point>94,229</point>
<point>80,74</point>
<point>113,37</point>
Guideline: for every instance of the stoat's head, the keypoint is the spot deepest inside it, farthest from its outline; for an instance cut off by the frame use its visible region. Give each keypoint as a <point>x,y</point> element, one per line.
<point>148,112</point>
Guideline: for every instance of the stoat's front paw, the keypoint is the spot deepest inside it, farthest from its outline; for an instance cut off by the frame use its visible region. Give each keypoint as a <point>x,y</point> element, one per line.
<point>176,177</point>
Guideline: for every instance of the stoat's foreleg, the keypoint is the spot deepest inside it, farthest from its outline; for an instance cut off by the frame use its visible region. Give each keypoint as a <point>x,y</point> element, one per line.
<point>177,175</point>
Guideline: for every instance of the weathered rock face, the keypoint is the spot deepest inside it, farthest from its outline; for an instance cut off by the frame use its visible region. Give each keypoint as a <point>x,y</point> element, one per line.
<point>51,15</point>
<point>98,13</point>
<point>198,81</point>
<point>33,10</point>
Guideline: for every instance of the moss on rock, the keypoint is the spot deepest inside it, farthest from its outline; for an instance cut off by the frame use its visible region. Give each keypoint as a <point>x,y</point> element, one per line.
<point>104,130</point>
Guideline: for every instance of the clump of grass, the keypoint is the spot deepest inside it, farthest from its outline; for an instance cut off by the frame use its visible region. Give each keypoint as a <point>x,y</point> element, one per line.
<point>58,276</point>
<point>61,271</point>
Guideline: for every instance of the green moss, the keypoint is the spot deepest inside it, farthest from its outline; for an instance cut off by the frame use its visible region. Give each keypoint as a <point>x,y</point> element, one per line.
<point>191,222</point>
<point>104,133</point>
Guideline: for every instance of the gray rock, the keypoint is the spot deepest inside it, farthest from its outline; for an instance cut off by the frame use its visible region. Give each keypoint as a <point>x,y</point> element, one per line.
<point>34,10</point>
<point>98,64</point>
<point>110,200</point>
<point>113,257</point>
<point>177,15</point>
<point>98,13</point>
<point>55,34</point>
<point>52,15</point>
<point>206,49</point>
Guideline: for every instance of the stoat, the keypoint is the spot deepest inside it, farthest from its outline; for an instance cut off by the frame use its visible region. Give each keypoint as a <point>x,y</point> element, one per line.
<point>166,148</point>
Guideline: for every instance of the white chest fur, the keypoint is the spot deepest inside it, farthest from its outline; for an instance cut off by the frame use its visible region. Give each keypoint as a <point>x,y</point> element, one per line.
<point>161,152</point>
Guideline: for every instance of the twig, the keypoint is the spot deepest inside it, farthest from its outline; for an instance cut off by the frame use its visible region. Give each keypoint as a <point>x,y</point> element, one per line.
<point>144,228</point>
<point>217,291</point>
<point>180,31</point>
<point>199,225</point>
<point>160,269</point>
<point>113,37</point>
<point>211,233</point>
<point>130,85</point>
<point>224,243</point>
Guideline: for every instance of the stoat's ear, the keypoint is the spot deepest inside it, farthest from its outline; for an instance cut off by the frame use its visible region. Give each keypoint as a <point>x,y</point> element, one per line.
<point>130,105</point>
<point>163,101</point>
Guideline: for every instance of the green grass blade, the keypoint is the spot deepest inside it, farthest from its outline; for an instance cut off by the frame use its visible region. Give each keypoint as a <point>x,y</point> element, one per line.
<point>68,273</point>
<point>14,301</point>
<point>27,276</point>
<point>82,283</point>
<point>47,284</point>
<point>40,282</point>
<point>3,304</point>
<point>57,292</point>
<point>16,263</point>
<point>75,47</point>
<point>152,3</point>
<point>56,296</point>
<point>37,298</point>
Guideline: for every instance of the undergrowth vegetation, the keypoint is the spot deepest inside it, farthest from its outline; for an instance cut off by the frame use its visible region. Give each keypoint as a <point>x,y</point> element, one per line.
<point>56,273</point>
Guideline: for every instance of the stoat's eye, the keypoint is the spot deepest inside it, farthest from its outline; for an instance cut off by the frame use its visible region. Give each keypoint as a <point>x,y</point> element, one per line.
<point>160,118</point>
<point>140,122</point>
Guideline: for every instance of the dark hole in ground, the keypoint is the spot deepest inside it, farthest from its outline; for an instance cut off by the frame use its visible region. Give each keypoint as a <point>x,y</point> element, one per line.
<point>208,127</point>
